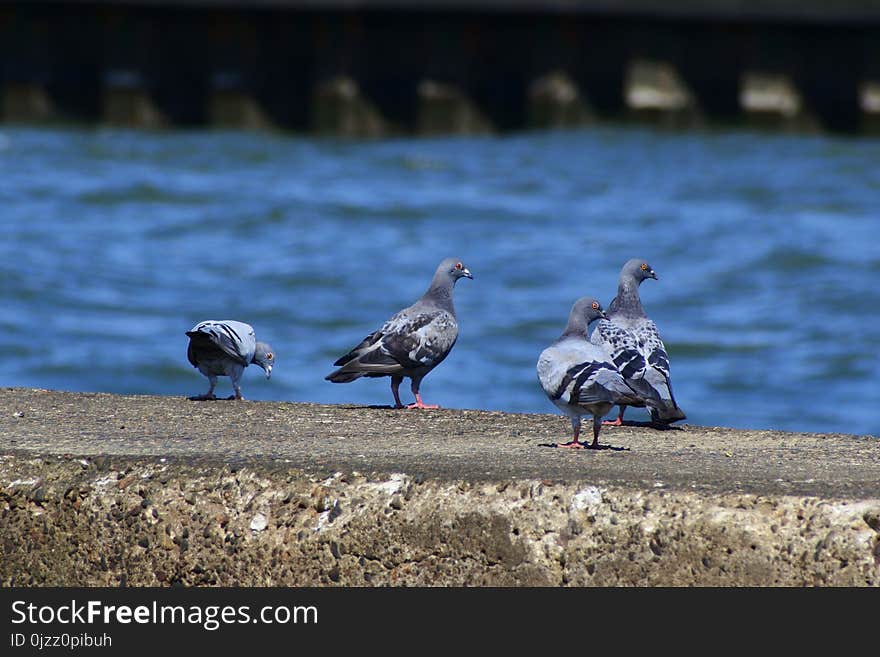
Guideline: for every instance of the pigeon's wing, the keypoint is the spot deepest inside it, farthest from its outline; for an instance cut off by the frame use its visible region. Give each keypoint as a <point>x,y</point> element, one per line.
<point>412,339</point>
<point>578,373</point>
<point>651,346</point>
<point>235,339</point>
<point>420,339</point>
<point>365,345</point>
<point>657,369</point>
<point>603,383</point>
<point>622,347</point>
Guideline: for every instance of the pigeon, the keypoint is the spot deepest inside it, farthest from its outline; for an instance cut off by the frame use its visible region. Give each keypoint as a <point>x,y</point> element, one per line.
<point>225,348</point>
<point>413,342</point>
<point>579,377</point>
<point>634,344</point>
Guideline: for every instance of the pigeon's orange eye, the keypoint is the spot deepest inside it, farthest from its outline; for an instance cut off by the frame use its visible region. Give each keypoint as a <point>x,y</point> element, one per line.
<point>595,306</point>
<point>644,266</point>
<point>269,356</point>
<point>458,265</point>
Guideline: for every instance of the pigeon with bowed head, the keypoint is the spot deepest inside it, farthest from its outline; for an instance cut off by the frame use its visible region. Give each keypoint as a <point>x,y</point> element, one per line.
<point>225,348</point>
<point>579,377</point>
<point>413,342</point>
<point>632,340</point>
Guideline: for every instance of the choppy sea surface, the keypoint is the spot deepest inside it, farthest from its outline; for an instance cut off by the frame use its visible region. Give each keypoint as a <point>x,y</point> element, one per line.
<point>767,247</point>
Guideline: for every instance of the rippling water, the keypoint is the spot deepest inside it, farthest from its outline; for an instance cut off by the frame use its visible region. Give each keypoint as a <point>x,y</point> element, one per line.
<point>768,250</point>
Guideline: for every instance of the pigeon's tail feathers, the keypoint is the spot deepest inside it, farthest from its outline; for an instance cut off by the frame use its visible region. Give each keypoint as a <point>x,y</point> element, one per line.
<point>357,368</point>
<point>647,395</point>
<point>359,362</point>
<point>667,410</point>
<point>630,398</point>
<point>347,358</point>
<point>191,355</point>
<point>667,413</point>
<point>200,345</point>
<point>341,376</point>
<point>360,349</point>
<point>611,394</point>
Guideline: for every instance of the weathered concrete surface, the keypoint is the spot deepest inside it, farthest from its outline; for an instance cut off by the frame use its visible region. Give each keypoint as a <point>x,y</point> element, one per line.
<point>99,489</point>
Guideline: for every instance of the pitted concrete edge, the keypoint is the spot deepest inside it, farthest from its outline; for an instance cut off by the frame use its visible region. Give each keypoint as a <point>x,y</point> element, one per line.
<point>89,521</point>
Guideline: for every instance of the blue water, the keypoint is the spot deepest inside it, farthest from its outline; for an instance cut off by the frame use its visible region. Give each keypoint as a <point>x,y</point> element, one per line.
<point>767,247</point>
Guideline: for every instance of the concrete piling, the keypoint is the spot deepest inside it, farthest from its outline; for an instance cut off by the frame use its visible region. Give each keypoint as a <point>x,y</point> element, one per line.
<point>233,105</point>
<point>26,102</point>
<point>772,100</point>
<point>340,109</point>
<point>869,102</point>
<point>128,102</point>
<point>655,91</point>
<point>555,101</point>
<point>447,109</point>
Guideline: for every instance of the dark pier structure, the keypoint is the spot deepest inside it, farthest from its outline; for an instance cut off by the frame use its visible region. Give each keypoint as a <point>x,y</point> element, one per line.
<point>385,67</point>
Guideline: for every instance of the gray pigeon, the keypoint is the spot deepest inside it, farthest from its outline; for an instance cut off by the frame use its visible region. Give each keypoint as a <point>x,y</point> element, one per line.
<point>632,340</point>
<point>413,342</point>
<point>579,377</point>
<point>225,348</point>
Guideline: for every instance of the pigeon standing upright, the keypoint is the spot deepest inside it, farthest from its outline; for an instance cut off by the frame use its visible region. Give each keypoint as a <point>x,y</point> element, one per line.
<point>225,348</point>
<point>578,376</point>
<point>632,340</point>
<point>413,342</point>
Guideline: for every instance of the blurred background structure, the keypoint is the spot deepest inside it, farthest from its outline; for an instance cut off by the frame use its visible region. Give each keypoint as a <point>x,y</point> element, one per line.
<point>380,67</point>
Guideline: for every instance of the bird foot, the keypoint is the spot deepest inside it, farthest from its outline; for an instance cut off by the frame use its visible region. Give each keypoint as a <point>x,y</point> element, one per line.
<point>612,423</point>
<point>205,397</point>
<point>231,397</point>
<point>420,404</point>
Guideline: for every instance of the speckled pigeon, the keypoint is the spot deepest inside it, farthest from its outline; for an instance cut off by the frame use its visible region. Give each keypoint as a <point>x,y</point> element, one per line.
<point>413,342</point>
<point>579,377</point>
<point>225,348</point>
<point>633,342</point>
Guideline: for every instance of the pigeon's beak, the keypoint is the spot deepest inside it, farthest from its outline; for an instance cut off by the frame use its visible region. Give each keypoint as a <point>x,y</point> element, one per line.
<point>467,273</point>
<point>602,314</point>
<point>268,371</point>
<point>653,275</point>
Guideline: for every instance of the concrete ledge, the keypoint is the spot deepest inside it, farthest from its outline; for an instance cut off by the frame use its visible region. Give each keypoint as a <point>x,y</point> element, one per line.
<point>98,489</point>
